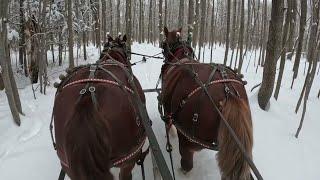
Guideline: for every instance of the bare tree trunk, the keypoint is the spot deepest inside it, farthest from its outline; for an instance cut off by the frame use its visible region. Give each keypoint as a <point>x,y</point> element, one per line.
<point>292,20</point>
<point>196,24</point>
<point>274,42</point>
<point>241,35</point>
<point>312,59</point>
<point>129,23</point>
<point>104,20</point>
<point>234,29</point>
<point>155,35</point>
<point>160,23</point>
<point>22,41</point>
<point>264,33</point>
<point>311,74</point>
<point>70,31</point>
<point>84,40</point>
<point>227,34</point>
<point>202,26</point>
<point>150,23</point>
<point>43,49</point>
<point>190,17</point>
<point>165,13</point>
<point>248,26</point>
<point>4,61</point>
<point>212,32</point>
<point>284,49</point>
<point>118,17</point>
<point>97,24</point>
<point>303,19</point>
<point>1,81</point>
<point>140,20</point>
<point>111,17</point>
<point>181,14</point>
<point>60,46</point>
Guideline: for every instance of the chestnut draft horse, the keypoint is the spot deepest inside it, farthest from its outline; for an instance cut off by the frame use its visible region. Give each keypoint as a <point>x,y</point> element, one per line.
<point>187,106</point>
<point>96,123</point>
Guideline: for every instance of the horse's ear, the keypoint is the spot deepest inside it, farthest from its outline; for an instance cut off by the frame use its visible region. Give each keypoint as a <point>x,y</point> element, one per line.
<point>110,39</point>
<point>124,38</point>
<point>166,32</point>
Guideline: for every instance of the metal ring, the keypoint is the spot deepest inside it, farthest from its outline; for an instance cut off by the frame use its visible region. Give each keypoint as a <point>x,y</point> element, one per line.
<point>83,91</point>
<point>195,117</point>
<point>92,89</point>
<point>138,121</point>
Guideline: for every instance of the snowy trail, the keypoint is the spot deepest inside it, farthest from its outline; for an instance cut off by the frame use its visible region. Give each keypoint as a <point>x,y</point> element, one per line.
<point>27,153</point>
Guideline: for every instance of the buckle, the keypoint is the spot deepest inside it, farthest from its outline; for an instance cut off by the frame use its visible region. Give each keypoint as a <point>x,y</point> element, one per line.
<point>93,68</point>
<point>83,91</point>
<point>195,117</point>
<point>92,89</point>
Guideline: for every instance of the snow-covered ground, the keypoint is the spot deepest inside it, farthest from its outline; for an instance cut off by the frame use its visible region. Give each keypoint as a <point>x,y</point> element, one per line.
<point>26,152</point>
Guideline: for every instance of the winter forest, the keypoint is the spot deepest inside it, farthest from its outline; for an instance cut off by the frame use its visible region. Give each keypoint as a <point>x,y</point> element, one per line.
<point>272,47</point>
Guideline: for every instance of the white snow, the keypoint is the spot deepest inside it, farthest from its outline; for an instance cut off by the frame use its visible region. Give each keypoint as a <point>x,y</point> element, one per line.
<point>26,152</point>
<point>12,34</point>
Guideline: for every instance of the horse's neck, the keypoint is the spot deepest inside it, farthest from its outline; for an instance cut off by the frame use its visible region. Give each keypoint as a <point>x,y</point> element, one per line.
<point>180,53</point>
<point>117,56</point>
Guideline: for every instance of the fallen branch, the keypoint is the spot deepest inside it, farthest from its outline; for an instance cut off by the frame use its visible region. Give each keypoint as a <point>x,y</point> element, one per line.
<point>151,90</point>
<point>256,86</point>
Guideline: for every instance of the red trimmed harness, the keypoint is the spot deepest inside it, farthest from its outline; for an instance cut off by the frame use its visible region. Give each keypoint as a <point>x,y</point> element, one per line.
<point>115,162</point>
<point>170,120</point>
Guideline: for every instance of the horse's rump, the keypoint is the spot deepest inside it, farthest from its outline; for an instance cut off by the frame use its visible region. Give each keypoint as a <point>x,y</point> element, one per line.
<point>114,103</point>
<point>178,84</point>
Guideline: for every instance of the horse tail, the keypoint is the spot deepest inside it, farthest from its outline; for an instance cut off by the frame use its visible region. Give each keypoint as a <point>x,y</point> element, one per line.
<point>230,158</point>
<point>87,143</point>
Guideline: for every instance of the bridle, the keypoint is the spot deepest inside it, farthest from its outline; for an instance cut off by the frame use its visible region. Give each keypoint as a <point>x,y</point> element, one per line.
<point>115,47</point>
<point>170,50</point>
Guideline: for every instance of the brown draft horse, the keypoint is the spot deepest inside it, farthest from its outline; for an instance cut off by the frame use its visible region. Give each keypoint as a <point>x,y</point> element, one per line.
<point>96,125</point>
<point>190,110</point>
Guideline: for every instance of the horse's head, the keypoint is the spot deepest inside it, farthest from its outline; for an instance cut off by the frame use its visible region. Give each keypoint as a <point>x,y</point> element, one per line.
<point>173,44</point>
<point>116,49</point>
